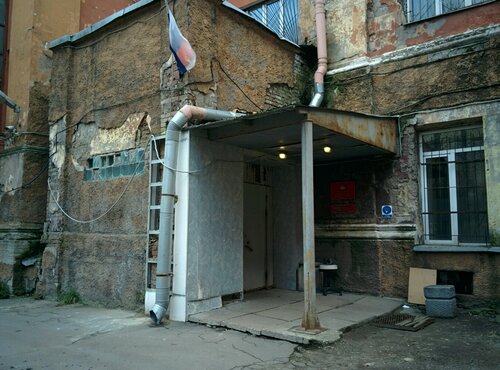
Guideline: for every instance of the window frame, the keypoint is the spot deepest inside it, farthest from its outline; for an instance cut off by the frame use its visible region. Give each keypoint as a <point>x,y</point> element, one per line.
<point>438,8</point>
<point>263,8</point>
<point>450,155</point>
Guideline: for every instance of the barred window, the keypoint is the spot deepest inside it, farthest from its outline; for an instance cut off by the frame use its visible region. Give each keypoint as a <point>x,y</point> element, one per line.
<point>422,9</point>
<point>281,16</point>
<point>453,187</point>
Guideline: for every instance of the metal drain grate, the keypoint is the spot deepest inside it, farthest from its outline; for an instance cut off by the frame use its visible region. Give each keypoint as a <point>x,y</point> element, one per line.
<point>402,321</point>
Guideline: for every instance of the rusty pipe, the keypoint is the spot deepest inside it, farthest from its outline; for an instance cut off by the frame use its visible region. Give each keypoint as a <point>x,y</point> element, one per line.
<point>319,75</point>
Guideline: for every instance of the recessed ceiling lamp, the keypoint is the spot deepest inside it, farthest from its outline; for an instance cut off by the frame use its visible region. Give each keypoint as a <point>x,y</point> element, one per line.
<point>282,155</point>
<point>327,149</point>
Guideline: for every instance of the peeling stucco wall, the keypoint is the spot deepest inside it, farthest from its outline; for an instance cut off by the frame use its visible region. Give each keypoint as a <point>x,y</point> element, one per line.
<point>108,91</point>
<point>459,71</point>
<point>105,95</point>
<point>434,68</point>
<point>238,61</point>
<point>388,29</point>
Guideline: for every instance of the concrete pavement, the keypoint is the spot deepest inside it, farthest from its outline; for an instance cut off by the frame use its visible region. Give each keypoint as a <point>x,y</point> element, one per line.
<point>41,335</point>
<point>277,313</point>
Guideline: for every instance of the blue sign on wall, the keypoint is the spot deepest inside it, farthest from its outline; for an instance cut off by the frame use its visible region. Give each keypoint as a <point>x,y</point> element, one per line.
<point>386,211</point>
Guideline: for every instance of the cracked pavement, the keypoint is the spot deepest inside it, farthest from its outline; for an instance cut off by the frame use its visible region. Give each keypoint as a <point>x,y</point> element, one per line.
<point>42,335</point>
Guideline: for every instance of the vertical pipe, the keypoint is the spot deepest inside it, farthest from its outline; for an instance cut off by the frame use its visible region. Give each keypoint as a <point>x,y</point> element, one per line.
<point>164,258</point>
<point>319,75</point>
<point>163,267</point>
<point>310,320</point>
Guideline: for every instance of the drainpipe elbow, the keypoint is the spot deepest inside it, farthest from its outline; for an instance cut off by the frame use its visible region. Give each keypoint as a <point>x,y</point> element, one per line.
<point>319,93</point>
<point>157,313</point>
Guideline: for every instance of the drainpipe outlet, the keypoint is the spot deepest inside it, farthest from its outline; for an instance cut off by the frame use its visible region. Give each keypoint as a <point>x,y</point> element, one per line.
<point>157,313</point>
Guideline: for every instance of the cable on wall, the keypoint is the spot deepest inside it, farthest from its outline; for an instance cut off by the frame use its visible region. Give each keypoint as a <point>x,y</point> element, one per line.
<point>110,208</point>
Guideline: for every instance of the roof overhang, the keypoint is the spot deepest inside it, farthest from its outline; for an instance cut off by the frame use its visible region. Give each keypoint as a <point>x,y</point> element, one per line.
<point>351,135</point>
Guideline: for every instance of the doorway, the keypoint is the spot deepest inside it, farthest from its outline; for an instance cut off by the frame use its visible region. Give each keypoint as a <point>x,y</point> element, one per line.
<point>257,237</point>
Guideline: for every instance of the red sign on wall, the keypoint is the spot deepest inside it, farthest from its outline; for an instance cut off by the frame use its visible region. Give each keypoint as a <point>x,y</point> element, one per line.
<point>343,190</point>
<point>343,198</point>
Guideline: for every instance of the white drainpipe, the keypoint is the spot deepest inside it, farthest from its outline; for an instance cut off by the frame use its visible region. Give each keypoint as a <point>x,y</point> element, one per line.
<point>174,127</point>
<point>319,75</point>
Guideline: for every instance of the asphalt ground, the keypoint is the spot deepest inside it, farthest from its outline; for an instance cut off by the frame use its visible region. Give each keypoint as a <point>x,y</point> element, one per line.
<point>43,335</point>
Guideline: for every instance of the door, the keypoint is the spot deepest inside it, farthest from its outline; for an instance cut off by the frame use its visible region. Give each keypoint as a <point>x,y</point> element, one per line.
<point>256,237</point>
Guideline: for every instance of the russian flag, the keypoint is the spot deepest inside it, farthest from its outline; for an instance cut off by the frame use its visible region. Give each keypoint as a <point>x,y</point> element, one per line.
<point>184,54</point>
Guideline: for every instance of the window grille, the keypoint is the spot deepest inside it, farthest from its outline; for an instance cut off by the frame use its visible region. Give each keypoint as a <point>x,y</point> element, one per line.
<point>453,187</point>
<point>281,16</point>
<point>422,9</point>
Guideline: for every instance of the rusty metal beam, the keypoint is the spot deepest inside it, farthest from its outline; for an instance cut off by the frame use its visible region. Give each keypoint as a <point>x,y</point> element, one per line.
<point>380,132</point>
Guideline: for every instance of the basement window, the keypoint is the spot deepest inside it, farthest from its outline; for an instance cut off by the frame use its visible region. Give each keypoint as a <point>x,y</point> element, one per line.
<point>462,280</point>
<point>453,187</point>
<point>281,16</point>
<point>422,9</point>
<point>110,166</point>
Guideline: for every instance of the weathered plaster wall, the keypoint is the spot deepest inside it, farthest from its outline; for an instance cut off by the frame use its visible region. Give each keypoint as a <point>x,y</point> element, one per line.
<point>105,93</point>
<point>15,240</point>
<point>387,29</point>
<point>215,229</point>
<point>448,75</point>
<point>106,89</point>
<point>484,266</point>
<point>19,167</point>
<point>33,24</point>
<point>374,254</point>
<point>24,162</point>
<point>287,225</point>
<point>238,61</point>
<point>491,124</point>
<point>346,29</point>
<point>105,268</point>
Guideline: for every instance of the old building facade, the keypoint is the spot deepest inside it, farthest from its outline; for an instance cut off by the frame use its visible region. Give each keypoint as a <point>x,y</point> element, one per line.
<point>27,27</point>
<point>431,77</point>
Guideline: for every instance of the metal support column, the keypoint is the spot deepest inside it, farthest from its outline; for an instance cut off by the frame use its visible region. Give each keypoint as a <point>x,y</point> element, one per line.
<point>310,320</point>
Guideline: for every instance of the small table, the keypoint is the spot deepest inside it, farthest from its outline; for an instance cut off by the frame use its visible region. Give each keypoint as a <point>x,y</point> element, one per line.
<point>327,271</point>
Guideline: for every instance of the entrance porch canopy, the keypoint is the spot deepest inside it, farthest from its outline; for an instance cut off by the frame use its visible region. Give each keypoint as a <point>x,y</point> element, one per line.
<point>351,135</point>
<point>304,131</point>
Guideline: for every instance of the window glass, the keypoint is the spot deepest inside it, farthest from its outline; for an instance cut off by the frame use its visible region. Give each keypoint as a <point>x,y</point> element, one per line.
<point>471,197</point>
<point>281,16</point>
<point>274,17</point>
<point>451,5</point>
<point>290,21</point>
<point>468,138</point>
<point>259,13</point>
<point>422,9</point>
<point>438,198</point>
<point>454,187</point>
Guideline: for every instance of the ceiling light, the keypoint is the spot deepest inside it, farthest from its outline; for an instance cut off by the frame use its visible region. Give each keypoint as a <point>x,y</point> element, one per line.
<point>327,149</point>
<point>282,155</point>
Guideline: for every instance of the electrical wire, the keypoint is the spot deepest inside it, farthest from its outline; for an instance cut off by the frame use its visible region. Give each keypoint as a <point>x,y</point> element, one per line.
<point>23,186</point>
<point>236,84</point>
<point>110,208</point>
